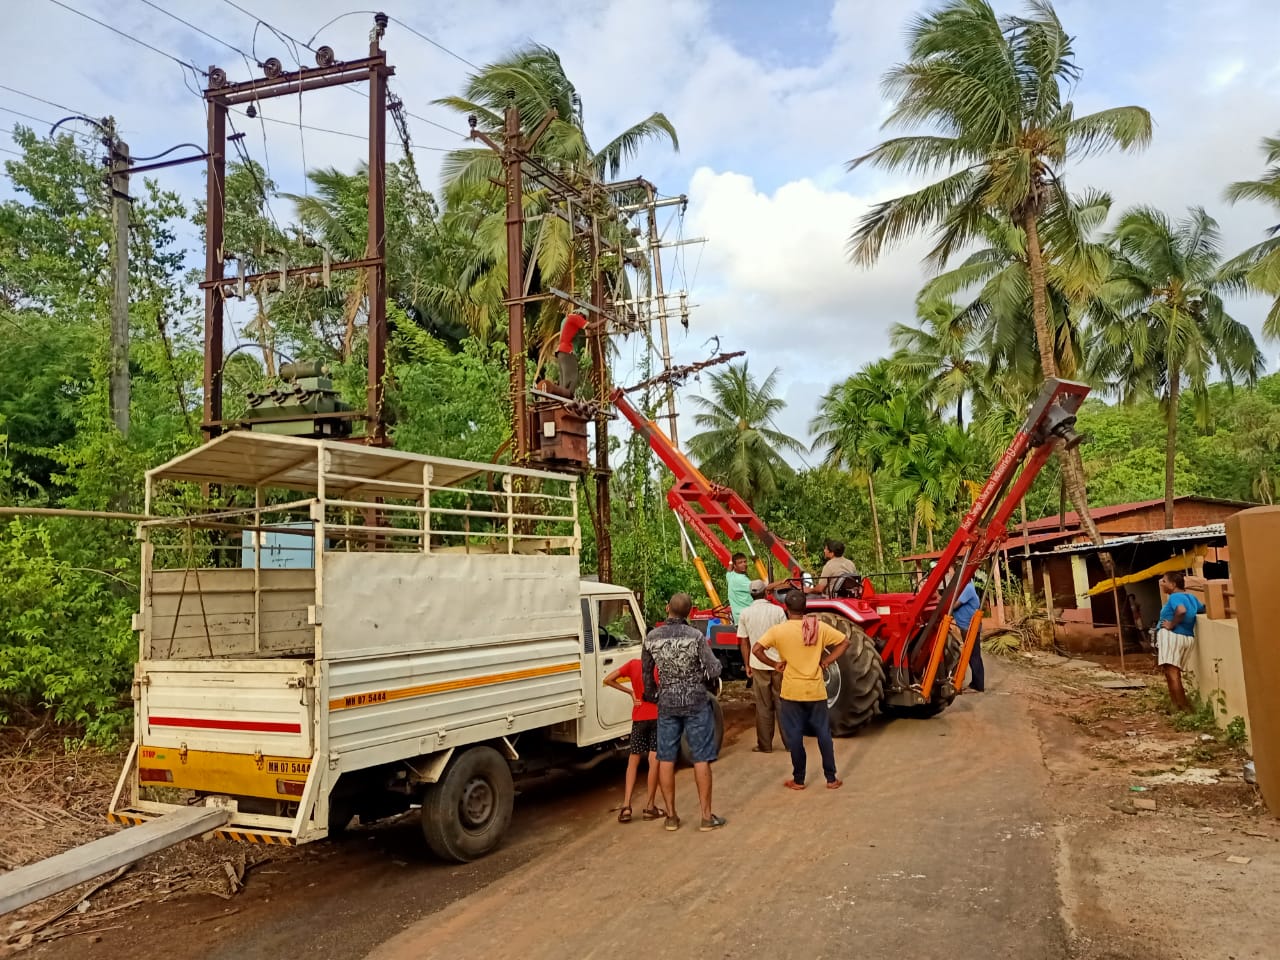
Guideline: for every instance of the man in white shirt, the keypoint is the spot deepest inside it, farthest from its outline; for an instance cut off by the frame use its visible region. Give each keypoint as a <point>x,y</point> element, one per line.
<point>755,621</point>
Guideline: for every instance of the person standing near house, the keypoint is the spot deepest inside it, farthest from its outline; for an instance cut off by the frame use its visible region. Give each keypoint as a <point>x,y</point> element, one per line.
<point>966,605</point>
<point>1176,634</point>
<point>754,623</point>
<point>806,647</point>
<point>739,585</point>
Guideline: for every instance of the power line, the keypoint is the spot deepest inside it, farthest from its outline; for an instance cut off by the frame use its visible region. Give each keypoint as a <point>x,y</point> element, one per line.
<point>436,44</point>
<point>330,23</point>
<point>253,172</point>
<point>50,103</point>
<point>276,30</point>
<point>340,133</point>
<point>27,116</point>
<point>128,36</point>
<point>199,30</point>
<point>362,93</point>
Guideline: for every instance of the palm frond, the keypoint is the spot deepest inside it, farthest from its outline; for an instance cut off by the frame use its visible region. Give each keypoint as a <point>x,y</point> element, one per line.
<point>626,145</point>
<point>893,220</point>
<point>1117,127</point>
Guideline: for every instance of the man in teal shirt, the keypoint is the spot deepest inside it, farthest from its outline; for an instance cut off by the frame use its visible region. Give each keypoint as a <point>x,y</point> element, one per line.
<point>739,586</point>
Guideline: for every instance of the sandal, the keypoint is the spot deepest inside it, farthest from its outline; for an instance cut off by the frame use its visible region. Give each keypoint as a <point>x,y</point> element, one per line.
<point>624,815</point>
<point>834,784</point>
<point>653,813</point>
<point>792,785</point>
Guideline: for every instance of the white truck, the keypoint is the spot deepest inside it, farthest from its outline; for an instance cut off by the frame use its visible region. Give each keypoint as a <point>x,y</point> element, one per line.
<point>428,641</point>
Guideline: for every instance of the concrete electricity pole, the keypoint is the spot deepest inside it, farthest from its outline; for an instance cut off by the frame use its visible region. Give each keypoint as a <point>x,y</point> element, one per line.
<point>119,363</point>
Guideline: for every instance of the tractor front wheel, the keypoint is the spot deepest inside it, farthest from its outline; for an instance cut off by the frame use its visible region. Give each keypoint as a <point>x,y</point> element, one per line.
<point>855,682</point>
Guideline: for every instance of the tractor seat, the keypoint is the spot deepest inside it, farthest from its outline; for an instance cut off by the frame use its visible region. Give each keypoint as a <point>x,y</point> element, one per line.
<point>848,585</point>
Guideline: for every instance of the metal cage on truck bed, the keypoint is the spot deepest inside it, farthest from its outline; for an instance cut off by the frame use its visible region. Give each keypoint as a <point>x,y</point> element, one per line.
<point>407,602</point>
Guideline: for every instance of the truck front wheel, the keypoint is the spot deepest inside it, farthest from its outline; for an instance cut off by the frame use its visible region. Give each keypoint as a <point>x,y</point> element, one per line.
<point>465,815</point>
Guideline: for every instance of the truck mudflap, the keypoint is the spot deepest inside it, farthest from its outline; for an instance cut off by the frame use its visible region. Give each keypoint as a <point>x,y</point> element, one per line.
<point>227,780</point>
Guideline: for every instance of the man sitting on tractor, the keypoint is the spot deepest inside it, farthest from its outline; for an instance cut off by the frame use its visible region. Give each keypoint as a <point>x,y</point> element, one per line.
<point>837,566</point>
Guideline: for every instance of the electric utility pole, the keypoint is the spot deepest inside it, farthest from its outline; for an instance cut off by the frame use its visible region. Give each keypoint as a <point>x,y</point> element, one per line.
<point>118,158</point>
<point>655,271</point>
<point>514,150</point>
<point>600,372</point>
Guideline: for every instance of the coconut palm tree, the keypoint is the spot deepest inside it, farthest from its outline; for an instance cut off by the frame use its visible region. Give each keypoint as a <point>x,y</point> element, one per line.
<point>1261,262</point>
<point>841,426</point>
<point>741,446</point>
<point>996,280</point>
<point>1161,323</point>
<point>942,352</point>
<point>532,78</point>
<point>991,88</point>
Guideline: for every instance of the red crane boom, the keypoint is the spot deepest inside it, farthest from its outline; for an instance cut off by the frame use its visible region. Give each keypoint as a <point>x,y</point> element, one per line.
<point>707,506</point>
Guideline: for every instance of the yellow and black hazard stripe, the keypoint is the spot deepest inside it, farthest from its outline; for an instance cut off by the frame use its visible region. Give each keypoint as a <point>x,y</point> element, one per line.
<point>239,836</point>
<point>246,836</point>
<point>444,686</point>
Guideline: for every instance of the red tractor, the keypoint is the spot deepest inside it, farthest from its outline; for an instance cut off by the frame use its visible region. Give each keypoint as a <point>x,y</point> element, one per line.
<point>904,651</point>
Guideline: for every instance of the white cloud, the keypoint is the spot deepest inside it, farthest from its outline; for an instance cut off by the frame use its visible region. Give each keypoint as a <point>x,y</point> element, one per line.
<point>783,289</point>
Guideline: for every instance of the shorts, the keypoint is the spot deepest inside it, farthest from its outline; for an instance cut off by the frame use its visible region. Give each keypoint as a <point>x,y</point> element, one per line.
<point>1173,649</point>
<point>644,737</point>
<point>700,730</point>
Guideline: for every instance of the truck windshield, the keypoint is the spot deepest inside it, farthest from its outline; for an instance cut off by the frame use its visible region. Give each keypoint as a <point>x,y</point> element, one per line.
<point>617,624</point>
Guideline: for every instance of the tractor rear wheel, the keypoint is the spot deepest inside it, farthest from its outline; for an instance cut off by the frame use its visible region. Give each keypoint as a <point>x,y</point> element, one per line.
<point>855,682</point>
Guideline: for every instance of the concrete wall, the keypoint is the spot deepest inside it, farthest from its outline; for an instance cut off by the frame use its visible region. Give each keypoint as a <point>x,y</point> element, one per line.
<point>1255,574</point>
<point>1219,667</point>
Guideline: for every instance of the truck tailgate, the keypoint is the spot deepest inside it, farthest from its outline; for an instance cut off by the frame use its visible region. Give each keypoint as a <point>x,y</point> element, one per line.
<point>255,707</point>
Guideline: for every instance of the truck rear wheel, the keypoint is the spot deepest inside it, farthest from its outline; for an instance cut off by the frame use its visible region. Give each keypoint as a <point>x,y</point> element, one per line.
<point>855,682</point>
<point>465,815</point>
<point>686,757</point>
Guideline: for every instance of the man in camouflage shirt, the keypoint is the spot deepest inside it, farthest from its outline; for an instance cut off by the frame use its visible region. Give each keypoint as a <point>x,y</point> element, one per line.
<point>685,665</point>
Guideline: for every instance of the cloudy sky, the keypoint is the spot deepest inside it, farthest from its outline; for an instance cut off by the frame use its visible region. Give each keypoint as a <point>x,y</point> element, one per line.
<point>770,100</point>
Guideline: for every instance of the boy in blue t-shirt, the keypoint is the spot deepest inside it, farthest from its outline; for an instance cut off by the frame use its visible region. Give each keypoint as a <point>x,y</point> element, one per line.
<point>1176,634</point>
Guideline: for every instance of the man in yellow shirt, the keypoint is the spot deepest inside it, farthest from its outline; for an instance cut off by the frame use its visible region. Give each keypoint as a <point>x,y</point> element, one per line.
<point>806,647</point>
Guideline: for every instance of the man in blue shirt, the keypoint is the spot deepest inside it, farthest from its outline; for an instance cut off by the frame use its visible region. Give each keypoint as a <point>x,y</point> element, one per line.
<point>967,604</point>
<point>1176,634</point>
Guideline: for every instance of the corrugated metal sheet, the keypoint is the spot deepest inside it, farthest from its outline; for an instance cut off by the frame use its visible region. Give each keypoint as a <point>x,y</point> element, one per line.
<point>1211,531</point>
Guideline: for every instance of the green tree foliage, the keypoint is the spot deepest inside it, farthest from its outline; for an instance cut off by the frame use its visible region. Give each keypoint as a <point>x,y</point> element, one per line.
<point>1161,323</point>
<point>990,91</point>
<point>1261,262</point>
<point>535,77</point>
<point>740,445</point>
<point>66,587</point>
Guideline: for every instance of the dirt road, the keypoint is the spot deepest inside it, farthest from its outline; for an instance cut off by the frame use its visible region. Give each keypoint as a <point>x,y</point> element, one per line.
<point>936,847</point>
<point>1003,828</point>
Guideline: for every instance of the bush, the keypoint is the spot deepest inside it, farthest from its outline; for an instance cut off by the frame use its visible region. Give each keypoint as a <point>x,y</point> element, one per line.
<point>66,647</point>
